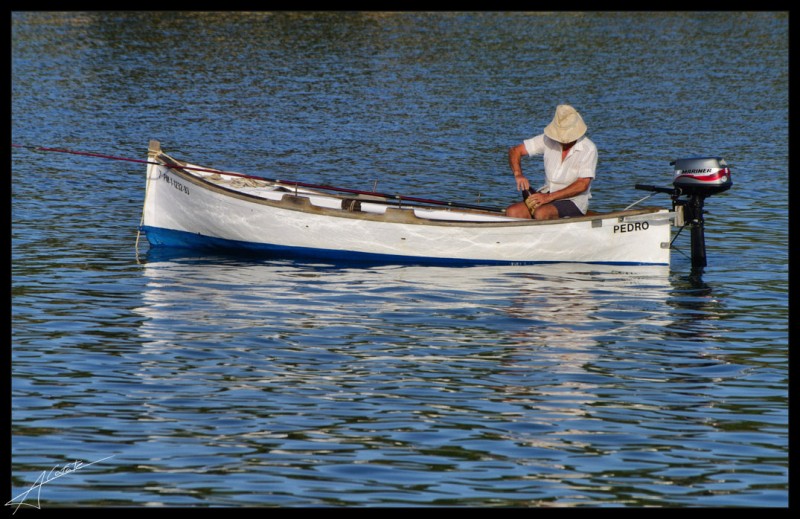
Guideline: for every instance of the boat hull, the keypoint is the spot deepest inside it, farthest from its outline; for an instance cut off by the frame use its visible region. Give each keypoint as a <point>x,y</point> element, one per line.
<point>184,208</point>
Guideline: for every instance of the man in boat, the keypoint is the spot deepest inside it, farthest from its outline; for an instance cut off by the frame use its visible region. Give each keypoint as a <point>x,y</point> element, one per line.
<point>570,159</point>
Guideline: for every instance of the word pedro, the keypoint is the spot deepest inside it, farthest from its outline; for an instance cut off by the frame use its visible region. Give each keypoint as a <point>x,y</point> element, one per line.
<point>631,227</point>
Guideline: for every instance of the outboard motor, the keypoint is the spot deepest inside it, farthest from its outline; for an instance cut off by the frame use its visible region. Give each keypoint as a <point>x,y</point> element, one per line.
<point>696,179</point>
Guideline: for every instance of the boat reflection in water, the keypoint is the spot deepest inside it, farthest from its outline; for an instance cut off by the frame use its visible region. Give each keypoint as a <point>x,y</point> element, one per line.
<point>556,314</point>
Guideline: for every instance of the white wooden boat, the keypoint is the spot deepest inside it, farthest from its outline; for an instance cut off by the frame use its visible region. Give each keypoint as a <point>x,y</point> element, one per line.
<point>188,205</point>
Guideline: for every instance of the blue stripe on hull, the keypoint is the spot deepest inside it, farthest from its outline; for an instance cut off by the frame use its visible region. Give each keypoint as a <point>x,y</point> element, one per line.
<point>159,237</point>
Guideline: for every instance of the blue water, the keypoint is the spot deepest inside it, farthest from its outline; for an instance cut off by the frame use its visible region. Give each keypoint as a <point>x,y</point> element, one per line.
<point>187,380</point>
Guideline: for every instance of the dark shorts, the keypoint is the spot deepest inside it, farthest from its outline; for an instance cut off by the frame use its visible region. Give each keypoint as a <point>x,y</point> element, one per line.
<point>567,208</point>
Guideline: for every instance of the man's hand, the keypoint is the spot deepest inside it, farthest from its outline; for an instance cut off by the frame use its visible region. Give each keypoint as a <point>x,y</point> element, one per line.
<point>538,199</point>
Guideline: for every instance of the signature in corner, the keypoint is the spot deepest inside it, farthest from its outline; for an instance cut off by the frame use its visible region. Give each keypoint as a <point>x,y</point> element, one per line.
<point>46,477</point>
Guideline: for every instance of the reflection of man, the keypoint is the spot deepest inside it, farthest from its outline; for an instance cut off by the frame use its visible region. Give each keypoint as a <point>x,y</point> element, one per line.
<point>570,159</point>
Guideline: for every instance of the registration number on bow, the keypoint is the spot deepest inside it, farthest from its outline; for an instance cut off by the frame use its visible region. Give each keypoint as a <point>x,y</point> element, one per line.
<point>177,185</point>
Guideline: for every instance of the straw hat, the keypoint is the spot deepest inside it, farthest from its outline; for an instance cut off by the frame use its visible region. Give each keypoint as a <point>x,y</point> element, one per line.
<point>566,126</point>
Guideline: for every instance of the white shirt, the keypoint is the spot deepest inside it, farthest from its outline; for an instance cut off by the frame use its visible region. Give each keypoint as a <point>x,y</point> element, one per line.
<point>580,162</point>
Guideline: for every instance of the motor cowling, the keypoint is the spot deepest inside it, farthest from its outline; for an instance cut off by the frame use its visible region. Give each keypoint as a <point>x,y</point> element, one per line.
<point>702,176</point>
